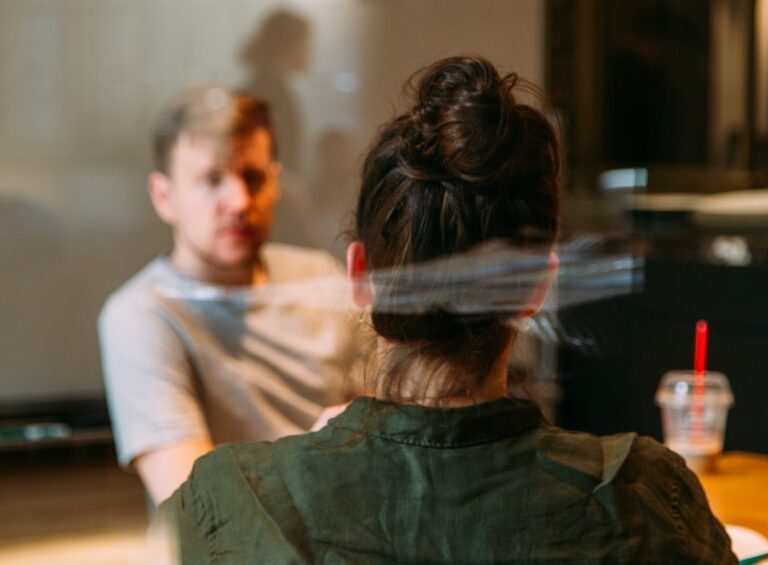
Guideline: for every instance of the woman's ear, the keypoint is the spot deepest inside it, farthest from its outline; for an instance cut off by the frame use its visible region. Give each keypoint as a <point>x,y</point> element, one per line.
<point>357,272</point>
<point>539,295</point>
<point>159,188</point>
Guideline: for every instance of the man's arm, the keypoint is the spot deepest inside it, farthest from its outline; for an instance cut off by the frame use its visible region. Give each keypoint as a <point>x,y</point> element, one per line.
<point>157,418</point>
<point>164,470</point>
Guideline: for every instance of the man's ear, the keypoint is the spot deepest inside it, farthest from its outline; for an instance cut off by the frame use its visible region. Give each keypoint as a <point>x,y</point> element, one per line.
<point>539,295</point>
<point>159,188</point>
<point>357,272</point>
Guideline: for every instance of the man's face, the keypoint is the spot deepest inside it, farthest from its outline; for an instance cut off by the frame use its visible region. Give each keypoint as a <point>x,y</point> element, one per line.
<point>220,207</point>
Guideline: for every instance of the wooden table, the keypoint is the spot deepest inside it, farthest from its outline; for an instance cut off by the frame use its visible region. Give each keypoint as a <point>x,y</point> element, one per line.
<point>738,490</point>
<point>69,506</point>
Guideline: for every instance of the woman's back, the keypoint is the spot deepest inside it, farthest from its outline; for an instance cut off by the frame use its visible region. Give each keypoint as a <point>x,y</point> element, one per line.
<point>490,483</point>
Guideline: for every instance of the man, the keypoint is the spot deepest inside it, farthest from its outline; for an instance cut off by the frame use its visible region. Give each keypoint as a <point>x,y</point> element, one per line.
<point>195,351</point>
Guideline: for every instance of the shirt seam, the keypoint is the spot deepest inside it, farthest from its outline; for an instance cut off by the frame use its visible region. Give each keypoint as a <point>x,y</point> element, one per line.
<point>278,466</point>
<point>677,518</point>
<point>207,520</point>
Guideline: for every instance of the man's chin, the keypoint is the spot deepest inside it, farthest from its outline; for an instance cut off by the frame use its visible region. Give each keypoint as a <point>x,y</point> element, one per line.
<point>234,262</point>
<point>233,255</point>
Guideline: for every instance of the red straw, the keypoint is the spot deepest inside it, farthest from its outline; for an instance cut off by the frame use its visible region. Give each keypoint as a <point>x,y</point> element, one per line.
<point>699,369</point>
<point>700,353</point>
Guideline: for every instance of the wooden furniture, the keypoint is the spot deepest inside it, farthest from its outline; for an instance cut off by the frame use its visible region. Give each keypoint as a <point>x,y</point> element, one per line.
<point>738,490</point>
<point>69,506</point>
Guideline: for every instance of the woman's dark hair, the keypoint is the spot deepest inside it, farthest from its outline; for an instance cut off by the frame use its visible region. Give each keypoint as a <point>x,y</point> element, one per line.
<point>466,165</point>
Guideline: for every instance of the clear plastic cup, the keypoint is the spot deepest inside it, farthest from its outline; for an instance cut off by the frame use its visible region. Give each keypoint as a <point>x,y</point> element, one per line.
<point>694,424</point>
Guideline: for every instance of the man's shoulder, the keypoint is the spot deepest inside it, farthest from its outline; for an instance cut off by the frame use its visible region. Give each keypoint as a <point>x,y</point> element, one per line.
<point>289,262</point>
<point>140,292</point>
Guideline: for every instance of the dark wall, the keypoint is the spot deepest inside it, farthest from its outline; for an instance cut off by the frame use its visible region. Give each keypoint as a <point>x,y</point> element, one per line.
<point>611,388</point>
<point>655,91</point>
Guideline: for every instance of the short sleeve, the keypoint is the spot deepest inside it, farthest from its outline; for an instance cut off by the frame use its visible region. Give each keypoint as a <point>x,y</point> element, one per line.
<point>149,379</point>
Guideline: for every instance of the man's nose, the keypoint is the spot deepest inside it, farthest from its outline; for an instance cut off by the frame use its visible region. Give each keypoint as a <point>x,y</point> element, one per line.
<point>238,195</point>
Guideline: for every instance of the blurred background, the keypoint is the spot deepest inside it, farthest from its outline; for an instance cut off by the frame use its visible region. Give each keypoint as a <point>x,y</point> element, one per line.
<point>663,107</point>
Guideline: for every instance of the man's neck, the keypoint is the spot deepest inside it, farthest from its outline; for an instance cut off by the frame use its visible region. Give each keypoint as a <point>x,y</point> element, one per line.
<point>252,274</point>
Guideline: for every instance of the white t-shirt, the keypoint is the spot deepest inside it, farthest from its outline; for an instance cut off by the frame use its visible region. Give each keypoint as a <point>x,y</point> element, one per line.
<point>183,359</point>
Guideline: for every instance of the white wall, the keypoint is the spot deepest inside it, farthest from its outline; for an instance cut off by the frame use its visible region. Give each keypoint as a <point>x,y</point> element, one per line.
<point>80,82</point>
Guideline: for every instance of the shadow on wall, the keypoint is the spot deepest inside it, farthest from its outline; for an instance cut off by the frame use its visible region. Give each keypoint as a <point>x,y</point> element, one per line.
<point>279,49</point>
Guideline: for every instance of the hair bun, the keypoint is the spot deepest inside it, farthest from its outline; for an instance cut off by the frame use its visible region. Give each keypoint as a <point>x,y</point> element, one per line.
<point>463,115</point>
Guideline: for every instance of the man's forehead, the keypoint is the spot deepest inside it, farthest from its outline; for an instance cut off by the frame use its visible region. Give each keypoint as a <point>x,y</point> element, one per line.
<point>255,145</point>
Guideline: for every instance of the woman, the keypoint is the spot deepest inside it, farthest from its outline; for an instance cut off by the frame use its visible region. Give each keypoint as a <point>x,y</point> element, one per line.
<point>439,465</point>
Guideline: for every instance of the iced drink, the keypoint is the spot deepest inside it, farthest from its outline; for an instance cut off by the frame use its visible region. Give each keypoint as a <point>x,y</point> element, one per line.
<point>693,419</point>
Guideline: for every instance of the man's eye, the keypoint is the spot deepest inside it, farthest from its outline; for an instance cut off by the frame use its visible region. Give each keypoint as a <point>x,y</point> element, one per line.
<point>254,178</point>
<point>214,178</point>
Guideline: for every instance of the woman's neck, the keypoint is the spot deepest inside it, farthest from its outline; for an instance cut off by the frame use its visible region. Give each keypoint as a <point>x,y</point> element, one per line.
<point>421,371</point>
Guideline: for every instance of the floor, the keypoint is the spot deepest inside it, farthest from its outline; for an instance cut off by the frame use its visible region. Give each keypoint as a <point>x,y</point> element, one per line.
<point>69,506</point>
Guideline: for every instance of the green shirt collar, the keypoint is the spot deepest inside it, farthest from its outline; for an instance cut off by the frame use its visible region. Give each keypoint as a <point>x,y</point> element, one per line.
<point>439,427</point>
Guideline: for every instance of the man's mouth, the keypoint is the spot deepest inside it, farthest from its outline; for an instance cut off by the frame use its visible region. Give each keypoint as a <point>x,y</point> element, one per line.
<point>239,231</point>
